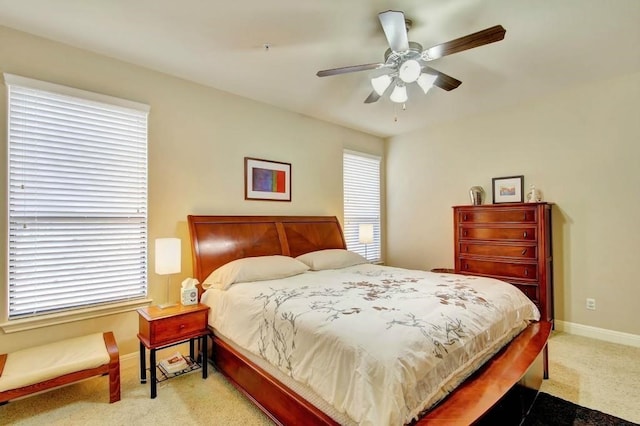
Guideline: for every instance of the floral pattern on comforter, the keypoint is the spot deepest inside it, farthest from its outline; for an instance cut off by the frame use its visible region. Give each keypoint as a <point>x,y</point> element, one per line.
<point>380,344</point>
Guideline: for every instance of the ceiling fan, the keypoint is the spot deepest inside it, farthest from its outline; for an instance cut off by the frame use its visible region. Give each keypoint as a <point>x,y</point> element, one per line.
<point>406,60</point>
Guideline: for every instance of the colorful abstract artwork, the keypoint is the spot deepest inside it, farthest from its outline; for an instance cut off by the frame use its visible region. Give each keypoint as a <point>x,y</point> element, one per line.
<point>267,180</point>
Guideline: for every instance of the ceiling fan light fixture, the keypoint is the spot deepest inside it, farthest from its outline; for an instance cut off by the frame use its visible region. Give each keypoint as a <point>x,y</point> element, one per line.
<point>381,83</point>
<point>399,94</point>
<point>409,71</point>
<point>425,81</point>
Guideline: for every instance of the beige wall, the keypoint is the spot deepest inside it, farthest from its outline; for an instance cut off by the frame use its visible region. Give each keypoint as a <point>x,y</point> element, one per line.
<point>581,147</point>
<point>198,138</point>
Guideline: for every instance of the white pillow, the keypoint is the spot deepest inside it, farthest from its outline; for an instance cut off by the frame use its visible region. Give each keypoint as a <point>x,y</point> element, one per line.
<point>331,259</point>
<point>254,269</point>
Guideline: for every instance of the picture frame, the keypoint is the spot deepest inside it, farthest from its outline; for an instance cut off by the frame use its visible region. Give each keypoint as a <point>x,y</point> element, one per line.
<point>508,189</point>
<point>266,180</point>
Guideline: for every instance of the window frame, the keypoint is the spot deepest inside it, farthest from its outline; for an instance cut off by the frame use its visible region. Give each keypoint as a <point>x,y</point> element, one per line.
<point>372,203</point>
<point>22,321</point>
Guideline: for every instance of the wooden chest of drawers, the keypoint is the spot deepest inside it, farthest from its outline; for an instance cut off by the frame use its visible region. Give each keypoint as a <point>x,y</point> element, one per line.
<point>511,242</point>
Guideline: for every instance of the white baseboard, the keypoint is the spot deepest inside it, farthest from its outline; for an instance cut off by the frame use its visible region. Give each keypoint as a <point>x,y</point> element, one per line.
<point>129,360</point>
<point>598,333</point>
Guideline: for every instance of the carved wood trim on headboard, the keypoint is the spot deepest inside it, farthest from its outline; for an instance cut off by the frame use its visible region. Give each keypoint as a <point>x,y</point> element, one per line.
<point>217,240</point>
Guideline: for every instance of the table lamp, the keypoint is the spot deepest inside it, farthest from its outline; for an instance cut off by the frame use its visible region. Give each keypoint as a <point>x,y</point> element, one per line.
<point>168,262</point>
<point>365,235</point>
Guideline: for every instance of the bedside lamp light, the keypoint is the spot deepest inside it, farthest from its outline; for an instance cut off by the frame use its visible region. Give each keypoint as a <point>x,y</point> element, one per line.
<point>168,262</point>
<point>365,235</point>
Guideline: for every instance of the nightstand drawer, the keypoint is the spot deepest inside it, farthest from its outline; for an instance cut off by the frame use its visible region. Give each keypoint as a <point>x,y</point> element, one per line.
<point>159,327</point>
<point>178,327</point>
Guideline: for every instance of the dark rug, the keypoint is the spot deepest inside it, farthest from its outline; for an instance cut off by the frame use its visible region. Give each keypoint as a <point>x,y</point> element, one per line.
<point>549,410</point>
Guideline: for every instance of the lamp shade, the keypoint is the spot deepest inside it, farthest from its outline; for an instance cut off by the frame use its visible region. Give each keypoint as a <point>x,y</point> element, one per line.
<point>399,94</point>
<point>381,83</point>
<point>168,259</point>
<point>425,81</point>
<point>365,233</point>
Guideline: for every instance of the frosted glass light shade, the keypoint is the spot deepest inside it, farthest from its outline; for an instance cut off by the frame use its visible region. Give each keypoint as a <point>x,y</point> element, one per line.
<point>409,71</point>
<point>365,233</point>
<point>399,94</point>
<point>381,83</point>
<point>168,259</point>
<point>425,81</point>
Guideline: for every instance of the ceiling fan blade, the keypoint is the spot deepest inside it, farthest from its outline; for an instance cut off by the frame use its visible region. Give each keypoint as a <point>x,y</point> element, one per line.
<point>353,68</point>
<point>373,97</point>
<point>395,30</point>
<point>443,81</point>
<point>490,35</point>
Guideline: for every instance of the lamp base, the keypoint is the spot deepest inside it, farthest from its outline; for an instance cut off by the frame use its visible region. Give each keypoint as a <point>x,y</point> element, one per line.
<point>166,305</point>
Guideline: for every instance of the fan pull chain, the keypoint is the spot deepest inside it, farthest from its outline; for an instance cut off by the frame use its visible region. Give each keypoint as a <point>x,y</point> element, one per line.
<point>395,111</point>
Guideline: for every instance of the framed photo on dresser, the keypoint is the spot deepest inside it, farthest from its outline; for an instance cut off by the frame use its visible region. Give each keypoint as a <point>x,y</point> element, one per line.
<point>509,189</point>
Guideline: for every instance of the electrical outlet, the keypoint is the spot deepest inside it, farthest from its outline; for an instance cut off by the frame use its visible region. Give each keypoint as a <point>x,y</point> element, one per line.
<point>591,304</point>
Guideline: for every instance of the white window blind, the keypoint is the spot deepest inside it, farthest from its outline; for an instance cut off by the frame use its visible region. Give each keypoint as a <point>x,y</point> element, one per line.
<point>362,202</point>
<point>77,198</point>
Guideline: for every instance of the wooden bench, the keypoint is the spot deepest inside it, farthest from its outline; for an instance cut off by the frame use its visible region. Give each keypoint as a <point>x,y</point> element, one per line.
<point>40,368</point>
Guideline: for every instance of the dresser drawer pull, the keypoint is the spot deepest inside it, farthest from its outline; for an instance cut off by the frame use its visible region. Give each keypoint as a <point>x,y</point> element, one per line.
<point>525,234</point>
<point>524,252</point>
<point>466,248</point>
<point>466,266</point>
<point>464,233</point>
<point>464,217</point>
<point>181,326</point>
<point>524,216</point>
<point>526,272</point>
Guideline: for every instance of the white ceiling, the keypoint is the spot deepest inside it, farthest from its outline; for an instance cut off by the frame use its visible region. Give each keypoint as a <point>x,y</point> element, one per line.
<point>549,45</point>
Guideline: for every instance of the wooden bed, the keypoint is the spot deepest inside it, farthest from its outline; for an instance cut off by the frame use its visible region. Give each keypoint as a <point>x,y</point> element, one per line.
<point>217,240</point>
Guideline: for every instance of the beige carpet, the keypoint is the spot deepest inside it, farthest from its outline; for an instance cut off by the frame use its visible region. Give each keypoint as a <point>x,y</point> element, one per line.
<point>592,373</point>
<point>595,374</point>
<point>184,400</point>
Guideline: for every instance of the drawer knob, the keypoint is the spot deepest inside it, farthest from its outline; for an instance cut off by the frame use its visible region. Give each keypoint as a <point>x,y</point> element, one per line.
<point>466,266</point>
<point>464,233</point>
<point>526,272</point>
<point>464,217</point>
<point>181,326</point>
<point>466,248</point>
<point>524,252</point>
<point>525,234</point>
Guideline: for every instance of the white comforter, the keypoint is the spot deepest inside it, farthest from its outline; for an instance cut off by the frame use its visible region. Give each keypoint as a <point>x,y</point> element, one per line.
<point>380,344</point>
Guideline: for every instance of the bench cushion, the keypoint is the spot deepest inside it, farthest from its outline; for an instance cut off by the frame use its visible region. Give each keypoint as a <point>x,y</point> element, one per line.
<point>37,364</point>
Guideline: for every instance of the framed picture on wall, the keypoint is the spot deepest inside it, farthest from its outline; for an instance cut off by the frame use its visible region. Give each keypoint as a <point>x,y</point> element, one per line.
<point>266,180</point>
<point>509,189</point>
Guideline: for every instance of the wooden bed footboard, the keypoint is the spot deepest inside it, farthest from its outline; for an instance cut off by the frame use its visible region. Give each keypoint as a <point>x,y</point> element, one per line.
<point>518,364</point>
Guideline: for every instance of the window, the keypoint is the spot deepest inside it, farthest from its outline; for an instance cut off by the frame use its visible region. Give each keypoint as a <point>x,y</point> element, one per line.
<point>77,198</point>
<point>362,203</point>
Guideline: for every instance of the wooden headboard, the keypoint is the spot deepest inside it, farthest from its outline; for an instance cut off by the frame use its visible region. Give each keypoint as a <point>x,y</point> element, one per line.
<point>216,240</point>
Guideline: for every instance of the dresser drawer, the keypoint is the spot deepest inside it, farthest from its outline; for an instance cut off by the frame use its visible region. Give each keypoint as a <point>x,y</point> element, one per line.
<point>518,215</point>
<point>503,233</point>
<point>531,291</point>
<point>518,251</point>
<point>503,270</point>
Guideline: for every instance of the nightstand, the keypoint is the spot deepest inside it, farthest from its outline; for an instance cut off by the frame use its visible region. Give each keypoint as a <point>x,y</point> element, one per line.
<point>160,328</point>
